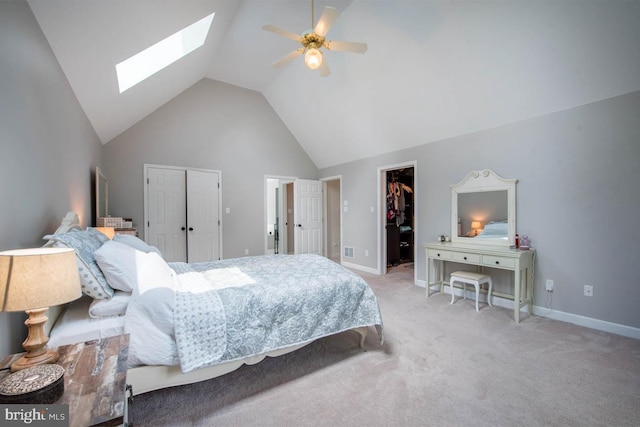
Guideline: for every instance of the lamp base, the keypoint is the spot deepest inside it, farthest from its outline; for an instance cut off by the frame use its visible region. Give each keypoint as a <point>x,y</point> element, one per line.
<point>48,357</point>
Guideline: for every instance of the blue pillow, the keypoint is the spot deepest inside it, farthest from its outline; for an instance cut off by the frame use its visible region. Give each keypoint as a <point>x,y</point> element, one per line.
<point>85,243</point>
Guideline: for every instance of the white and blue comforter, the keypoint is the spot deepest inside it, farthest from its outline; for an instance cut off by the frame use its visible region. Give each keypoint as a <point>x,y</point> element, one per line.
<point>232,309</point>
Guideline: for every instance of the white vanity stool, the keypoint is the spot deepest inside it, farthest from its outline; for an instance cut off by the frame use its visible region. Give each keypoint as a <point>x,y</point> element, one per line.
<point>468,277</point>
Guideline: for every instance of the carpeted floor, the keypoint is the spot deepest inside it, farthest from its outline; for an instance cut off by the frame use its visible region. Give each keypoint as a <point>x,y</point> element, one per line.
<point>440,365</point>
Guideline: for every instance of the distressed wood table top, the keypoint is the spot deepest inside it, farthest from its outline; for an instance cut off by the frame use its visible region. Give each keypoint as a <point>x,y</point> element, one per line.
<point>94,379</point>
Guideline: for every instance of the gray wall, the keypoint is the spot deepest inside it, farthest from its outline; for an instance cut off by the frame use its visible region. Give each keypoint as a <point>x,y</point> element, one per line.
<point>211,125</point>
<point>577,199</point>
<point>47,146</point>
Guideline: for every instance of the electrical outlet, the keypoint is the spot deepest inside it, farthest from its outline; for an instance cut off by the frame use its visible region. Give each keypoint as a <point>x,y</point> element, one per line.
<point>588,290</point>
<point>366,253</point>
<point>549,285</point>
<point>246,251</point>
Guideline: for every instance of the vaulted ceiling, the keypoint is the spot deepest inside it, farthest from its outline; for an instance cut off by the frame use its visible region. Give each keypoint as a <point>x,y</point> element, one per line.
<point>433,69</point>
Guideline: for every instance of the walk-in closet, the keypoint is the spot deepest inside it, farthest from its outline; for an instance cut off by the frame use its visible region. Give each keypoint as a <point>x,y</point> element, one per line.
<point>400,216</point>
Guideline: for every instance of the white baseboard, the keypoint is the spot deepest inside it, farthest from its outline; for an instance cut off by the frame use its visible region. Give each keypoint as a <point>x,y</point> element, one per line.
<point>360,267</point>
<point>587,322</point>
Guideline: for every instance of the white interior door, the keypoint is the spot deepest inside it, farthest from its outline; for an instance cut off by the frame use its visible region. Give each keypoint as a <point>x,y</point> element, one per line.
<point>203,225</point>
<point>167,213</point>
<point>308,216</point>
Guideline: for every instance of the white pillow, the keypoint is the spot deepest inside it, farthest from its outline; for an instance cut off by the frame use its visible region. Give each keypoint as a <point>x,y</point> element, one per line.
<point>136,243</point>
<point>153,272</point>
<point>125,267</point>
<point>116,306</point>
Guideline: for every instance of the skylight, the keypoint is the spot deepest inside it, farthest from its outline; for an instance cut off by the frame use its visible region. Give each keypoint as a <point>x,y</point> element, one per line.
<point>153,59</point>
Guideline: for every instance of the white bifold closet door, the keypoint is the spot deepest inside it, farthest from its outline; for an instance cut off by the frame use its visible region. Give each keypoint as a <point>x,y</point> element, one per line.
<point>183,213</point>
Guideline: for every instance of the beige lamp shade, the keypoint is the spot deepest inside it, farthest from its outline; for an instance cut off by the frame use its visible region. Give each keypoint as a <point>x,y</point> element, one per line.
<point>476,225</point>
<point>38,278</point>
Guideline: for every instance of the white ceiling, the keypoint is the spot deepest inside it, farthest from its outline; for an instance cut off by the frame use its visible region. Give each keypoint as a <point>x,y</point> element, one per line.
<point>433,70</point>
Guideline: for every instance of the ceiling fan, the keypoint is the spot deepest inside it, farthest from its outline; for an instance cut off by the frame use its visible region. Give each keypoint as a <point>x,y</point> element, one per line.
<point>313,40</point>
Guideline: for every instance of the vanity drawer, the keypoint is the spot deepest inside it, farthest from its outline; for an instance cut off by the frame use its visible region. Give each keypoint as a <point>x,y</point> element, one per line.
<point>497,261</point>
<point>468,258</point>
<point>434,253</point>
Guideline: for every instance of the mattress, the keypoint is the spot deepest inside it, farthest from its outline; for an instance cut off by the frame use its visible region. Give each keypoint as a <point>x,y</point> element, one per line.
<point>75,325</point>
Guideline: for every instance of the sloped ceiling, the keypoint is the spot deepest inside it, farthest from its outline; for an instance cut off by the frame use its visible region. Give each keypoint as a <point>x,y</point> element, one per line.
<point>433,70</point>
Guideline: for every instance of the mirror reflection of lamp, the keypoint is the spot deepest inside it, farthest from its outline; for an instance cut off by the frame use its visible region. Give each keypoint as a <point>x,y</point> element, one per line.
<point>476,226</point>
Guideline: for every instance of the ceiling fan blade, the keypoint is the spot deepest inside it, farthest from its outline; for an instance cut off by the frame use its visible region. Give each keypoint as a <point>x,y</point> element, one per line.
<point>288,58</point>
<point>281,32</point>
<point>328,17</point>
<point>354,47</point>
<point>324,69</point>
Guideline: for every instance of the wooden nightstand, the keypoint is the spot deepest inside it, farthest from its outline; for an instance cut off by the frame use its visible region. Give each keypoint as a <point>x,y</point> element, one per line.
<point>94,380</point>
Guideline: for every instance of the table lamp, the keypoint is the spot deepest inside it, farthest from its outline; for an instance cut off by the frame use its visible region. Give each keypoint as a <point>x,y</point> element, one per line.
<point>32,280</point>
<point>107,231</point>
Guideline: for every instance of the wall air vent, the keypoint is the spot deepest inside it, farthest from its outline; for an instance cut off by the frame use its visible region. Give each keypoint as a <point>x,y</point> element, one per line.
<point>348,252</point>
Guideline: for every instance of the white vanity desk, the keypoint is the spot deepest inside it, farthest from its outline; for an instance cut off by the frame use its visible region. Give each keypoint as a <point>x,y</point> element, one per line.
<point>484,201</point>
<point>520,262</point>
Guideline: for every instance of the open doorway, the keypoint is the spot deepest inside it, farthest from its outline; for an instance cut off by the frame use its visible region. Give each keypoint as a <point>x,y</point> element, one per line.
<point>332,194</point>
<point>398,200</point>
<point>303,216</point>
<point>279,221</point>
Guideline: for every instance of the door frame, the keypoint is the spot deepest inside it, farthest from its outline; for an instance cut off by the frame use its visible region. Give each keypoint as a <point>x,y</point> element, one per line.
<point>382,208</point>
<point>145,201</point>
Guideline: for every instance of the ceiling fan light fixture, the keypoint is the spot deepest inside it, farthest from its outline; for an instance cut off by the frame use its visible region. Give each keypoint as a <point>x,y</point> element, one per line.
<point>313,58</point>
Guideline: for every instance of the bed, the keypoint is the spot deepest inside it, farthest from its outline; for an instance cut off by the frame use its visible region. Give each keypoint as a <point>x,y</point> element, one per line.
<point>192,322</point>
<point>494,230</point>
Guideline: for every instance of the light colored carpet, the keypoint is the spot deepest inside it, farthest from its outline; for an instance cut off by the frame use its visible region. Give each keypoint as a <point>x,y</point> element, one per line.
<point>440,365</point>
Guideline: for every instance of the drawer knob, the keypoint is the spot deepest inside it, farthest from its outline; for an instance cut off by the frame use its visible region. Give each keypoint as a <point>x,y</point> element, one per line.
<point>438,254</point>
<point>465,258</point>
<point>498,262</point>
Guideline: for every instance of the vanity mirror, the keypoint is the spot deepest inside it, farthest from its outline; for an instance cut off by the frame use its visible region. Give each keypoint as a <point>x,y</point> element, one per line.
<point>101,194</point>
<point>483,209</point>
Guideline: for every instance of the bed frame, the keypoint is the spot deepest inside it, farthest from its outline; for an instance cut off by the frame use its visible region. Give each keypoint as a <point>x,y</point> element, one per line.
<point>144,379</point>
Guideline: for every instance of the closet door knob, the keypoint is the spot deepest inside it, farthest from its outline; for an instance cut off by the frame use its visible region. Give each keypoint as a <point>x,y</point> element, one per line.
<point>190,228</point>
<point>182,228</point>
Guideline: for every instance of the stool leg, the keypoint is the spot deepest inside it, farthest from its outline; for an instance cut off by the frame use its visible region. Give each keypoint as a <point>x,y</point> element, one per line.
<point>477,293</point>
<point>464,290</point>
<point>452,294</point>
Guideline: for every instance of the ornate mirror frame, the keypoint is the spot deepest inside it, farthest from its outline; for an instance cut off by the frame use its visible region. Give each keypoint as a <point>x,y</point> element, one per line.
<point>480,182</point>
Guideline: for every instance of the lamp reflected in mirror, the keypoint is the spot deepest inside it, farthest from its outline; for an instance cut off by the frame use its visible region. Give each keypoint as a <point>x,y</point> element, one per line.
<point>476,227</point>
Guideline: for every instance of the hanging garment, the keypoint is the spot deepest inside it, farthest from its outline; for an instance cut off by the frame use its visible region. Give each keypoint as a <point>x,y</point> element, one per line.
<point>401,206</point>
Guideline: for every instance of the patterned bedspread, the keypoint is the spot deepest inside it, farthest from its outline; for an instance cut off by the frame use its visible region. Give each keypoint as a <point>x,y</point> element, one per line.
<point>232,309</point>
